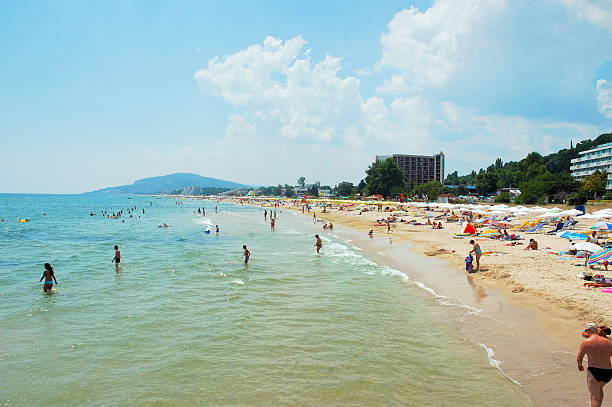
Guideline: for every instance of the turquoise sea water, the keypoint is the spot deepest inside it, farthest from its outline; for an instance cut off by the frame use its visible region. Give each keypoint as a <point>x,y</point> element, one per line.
<point>184,322</point>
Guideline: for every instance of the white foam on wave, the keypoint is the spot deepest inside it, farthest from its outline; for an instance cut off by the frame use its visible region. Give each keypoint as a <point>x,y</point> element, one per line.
<point>238,282</point>
<point>497,363</point>
<point>202,221</point>
<point>442,299</point>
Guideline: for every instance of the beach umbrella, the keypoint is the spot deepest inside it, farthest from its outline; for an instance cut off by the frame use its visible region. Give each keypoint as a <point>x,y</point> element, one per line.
<point>548,215</point>
<point>571,235</point>
<point>600,256</point>
<point>602,226</point>
<point>587,247</point>
<point>571,212</point>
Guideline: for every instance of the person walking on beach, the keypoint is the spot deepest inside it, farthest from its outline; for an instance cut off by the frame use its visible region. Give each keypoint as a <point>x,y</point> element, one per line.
<point>49,277</point>
<point>598,350</point>
<point>318,243</point>
<point>314,217</point>
<point>272,224</point>
<point>477,253</point>
<point>117,258</point>
<point>246,254</point>
<point>265,215</point>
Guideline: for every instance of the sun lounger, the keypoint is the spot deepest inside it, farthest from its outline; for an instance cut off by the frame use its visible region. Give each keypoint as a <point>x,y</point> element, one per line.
<point>535,229</point>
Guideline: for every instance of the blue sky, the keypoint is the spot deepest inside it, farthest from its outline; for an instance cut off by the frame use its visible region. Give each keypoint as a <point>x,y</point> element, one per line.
<point>96,94</point>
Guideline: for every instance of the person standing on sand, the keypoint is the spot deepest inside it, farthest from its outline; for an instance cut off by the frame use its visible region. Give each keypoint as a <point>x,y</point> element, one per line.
<point>477,253</point>
<point>49,277</point>
<point>246,255</point>
<point>598,350</point>
<point>117,258</point>
<point>318,243</point>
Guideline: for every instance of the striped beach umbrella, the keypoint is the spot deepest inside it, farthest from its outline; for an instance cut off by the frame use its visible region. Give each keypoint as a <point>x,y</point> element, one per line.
<point>600,256</point>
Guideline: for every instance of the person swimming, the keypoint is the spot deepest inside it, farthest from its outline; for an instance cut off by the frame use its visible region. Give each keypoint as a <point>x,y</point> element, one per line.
<point>49,277</point>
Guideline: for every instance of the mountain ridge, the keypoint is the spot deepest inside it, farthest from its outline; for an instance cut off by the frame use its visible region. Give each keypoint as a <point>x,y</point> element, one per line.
<point>168,183</point>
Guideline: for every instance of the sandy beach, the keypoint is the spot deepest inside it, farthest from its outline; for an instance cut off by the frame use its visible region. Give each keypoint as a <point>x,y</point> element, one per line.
<point>531,304</point>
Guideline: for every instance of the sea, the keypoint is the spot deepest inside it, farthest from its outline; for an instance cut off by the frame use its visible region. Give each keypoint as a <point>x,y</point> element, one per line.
<point>185,323</point>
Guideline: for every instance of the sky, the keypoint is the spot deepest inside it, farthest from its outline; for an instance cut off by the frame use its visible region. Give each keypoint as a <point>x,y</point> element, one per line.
<point>97,94</point>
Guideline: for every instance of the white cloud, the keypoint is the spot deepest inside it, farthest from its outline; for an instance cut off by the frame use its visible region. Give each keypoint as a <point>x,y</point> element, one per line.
<point>604,97</point>
<point>283,92</point>
<point>428,46</point>
<point>598,13</point>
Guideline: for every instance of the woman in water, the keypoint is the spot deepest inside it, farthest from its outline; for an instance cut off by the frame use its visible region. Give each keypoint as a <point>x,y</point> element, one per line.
<point>49,277</point>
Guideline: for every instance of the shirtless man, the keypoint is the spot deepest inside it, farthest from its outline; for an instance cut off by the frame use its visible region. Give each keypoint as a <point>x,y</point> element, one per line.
<point>117,258</point>
<point>246,254</point>
<point>598,350</point>
<point>319,243</point>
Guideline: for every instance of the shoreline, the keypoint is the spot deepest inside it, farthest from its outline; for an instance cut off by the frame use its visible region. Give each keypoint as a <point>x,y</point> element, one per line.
<point>526,335</point>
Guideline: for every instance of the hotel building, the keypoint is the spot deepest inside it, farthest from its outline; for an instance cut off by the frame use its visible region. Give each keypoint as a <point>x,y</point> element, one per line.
<point>598,158</point>
<point>419,169</point>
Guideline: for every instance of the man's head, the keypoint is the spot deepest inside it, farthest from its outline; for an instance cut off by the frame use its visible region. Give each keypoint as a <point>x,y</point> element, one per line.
<point>591,328</point>
<point>244,247</point>
<point>116,247</point>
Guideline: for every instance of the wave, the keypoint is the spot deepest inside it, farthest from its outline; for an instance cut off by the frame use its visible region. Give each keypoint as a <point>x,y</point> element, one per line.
<point>497,363</point>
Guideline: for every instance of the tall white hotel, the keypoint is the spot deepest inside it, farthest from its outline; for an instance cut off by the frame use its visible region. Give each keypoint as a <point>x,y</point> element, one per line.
<point>598,158</point>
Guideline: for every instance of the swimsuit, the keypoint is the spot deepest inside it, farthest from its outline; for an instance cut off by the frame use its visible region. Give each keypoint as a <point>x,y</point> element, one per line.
<point>118,260</point>
<point>49,282</point>
<point>478,251</point>
<point>601,375</point>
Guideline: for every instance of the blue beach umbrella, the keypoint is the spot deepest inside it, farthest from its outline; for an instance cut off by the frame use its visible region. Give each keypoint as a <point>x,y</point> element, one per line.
<point>602,226</point>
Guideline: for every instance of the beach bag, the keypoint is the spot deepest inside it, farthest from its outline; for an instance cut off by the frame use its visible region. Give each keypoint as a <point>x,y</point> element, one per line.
<point>468,263</point>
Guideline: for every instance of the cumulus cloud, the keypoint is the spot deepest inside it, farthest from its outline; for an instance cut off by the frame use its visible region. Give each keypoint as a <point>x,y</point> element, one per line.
<point>604,97</point>
<point>290,112</point>
<point>283,91</point>
<point>427,47</point>
<point>598,13</point>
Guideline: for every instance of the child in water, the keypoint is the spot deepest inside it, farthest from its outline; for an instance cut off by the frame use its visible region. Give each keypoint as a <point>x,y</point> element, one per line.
<point>117,258</point>
<point>49,277</point>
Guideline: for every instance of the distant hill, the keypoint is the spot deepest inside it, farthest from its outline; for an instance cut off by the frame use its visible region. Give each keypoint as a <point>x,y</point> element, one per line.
<point>168,184</point>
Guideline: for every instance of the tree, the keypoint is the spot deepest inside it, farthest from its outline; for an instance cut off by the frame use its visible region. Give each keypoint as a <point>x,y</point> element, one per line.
<point>503,197</point>
<point>430,190</point>
<point>301,181</point>
<point>382,176</point>
<point>361,187</point>
<point>595,184</point>
<point>345,188</point>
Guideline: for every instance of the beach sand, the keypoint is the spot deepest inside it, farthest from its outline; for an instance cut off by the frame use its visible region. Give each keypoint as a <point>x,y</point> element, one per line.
<point>530,305</point>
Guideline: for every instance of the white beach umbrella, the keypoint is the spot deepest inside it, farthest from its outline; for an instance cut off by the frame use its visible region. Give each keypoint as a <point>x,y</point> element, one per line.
<point>548,215</point>
<point>537,209</point>
<point>587,246</point>
<point>591,216</point>
<point>571,212</point>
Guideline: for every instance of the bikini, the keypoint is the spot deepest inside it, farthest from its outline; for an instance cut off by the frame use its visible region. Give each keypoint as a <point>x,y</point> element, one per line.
<point>601,375</point>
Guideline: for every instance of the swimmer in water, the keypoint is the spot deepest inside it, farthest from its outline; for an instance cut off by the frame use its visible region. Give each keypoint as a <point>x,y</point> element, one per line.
<point>246,254</point>
<point>117,258</point>
<point>217,229</point>
<point>319,243</point>
<point>49,277</point>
